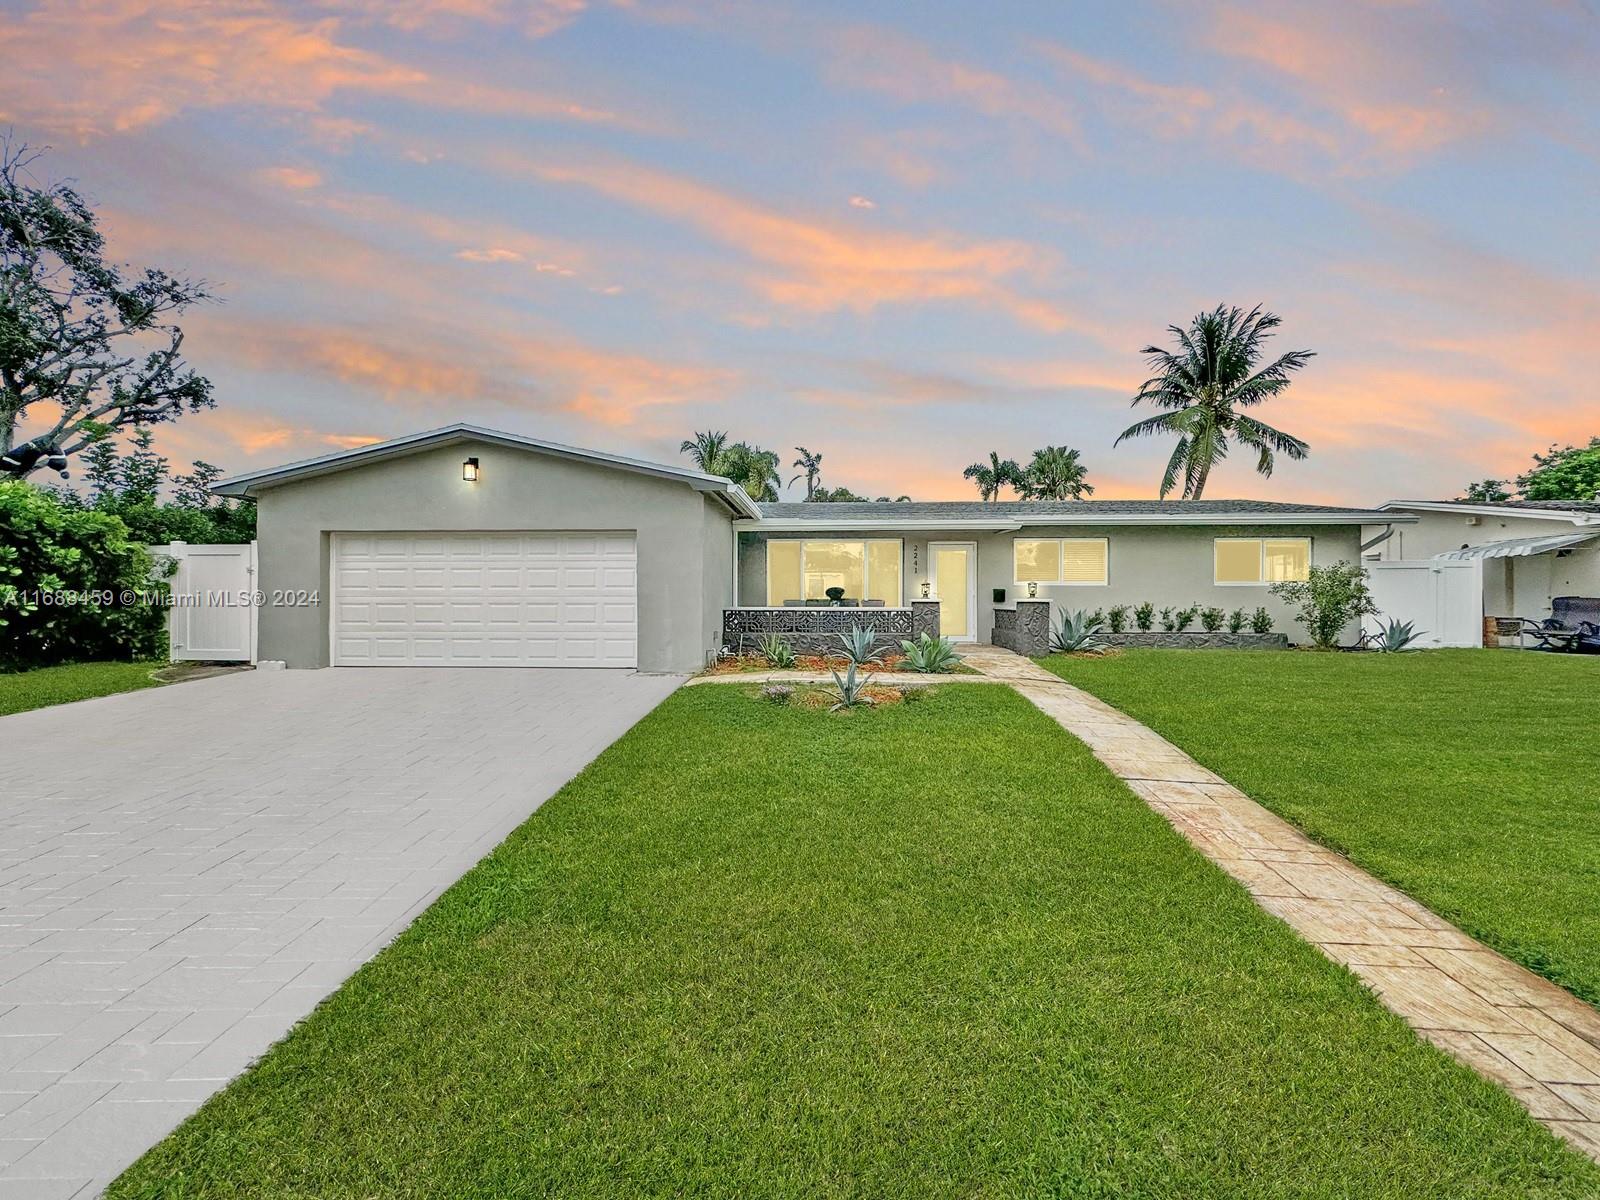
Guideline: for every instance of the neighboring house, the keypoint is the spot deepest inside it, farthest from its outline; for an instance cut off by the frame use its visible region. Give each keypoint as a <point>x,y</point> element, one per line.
<point>1529,551</point>
<point>465,546</point>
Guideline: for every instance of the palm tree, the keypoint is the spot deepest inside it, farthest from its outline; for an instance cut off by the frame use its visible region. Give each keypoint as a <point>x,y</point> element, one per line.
<point>810,470</point>
<point>1055,474</point>
<point>706,449</point>
<point>993,475</point>
<point>1204,386</point>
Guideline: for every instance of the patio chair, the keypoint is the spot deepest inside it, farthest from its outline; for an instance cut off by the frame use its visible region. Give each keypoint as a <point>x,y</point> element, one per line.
<point>1572,627</point>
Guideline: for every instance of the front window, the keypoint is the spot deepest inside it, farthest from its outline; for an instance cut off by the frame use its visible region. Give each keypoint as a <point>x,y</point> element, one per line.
<point>1076,562</point>
<point>1246,561</point>
<point>867,572</point>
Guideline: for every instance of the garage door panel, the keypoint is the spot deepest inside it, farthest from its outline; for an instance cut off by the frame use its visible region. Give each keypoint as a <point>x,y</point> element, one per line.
<point>515,599</point>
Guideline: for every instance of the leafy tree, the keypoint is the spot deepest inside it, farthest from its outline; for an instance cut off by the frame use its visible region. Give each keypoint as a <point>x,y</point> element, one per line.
<point>896,500</point>
<point>1569,473</point>
<point>1329,599</point>
<point>1204,386</point>
<point>810,469</point>
<point>838,495</point>
<point>95,348</point>
<point>753,469</point>
<point>995,474</point>
<point>1486,491</point>
<point>130,486</point>
<point>1055,474</point>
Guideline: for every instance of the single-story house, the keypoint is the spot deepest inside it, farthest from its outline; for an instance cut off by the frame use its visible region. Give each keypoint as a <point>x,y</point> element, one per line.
<point>467,546</point>
<point>1530,551</point>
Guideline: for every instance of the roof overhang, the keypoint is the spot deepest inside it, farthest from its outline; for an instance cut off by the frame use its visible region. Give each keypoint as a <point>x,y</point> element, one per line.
<point>255,482</point>
<point>1016,521</point>
<point>1519,547</point>
<point>1467,508</point>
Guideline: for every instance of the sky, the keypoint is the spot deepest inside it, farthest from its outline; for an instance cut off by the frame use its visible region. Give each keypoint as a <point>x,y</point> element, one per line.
<point>898,234</point>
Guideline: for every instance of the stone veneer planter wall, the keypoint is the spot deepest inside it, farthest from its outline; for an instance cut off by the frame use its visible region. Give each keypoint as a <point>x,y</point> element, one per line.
<point>1200,640</point>
<point>1023,627</point>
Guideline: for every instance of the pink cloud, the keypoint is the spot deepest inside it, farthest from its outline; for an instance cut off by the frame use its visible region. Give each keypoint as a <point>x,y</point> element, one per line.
<point>819,267</point>
<point>141,62</point>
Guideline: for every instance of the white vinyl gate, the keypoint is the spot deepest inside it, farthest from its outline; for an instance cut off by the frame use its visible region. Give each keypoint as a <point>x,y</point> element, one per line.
<point>213,612</point>
<point>1442,599</point>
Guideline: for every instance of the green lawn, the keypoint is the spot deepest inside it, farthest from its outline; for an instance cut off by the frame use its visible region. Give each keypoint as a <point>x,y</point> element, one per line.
<point>76,681</point>
<point>1467,778</point>
<point>929,950</point>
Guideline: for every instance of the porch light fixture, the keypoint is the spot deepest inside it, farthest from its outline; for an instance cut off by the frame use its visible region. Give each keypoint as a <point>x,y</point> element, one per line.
<point>469,470</point>
<point>1033,588</point>
<point>927,588</point>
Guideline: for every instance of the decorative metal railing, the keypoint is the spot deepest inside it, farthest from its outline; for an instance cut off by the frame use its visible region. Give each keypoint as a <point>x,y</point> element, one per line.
<point>815,630</point>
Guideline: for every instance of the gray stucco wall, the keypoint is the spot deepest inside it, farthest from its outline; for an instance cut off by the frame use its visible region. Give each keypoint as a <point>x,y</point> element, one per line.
<point>684,541</point>
<point>1168,565</point>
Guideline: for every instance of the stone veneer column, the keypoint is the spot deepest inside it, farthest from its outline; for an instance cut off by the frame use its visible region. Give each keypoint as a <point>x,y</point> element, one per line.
<point>924,618</point>
<point>1033,628</point>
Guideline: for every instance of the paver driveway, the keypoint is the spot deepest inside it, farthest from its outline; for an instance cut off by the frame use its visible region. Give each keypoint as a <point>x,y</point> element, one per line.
<point>186,872</point>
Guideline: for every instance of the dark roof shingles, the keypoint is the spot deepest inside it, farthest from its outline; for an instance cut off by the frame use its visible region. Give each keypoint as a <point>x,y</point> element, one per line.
<point>1079,509</point>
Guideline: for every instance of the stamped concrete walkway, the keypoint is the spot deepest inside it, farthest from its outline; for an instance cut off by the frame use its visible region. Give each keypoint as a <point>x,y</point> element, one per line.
<point>1536,1039</point>
<point>186,872</point>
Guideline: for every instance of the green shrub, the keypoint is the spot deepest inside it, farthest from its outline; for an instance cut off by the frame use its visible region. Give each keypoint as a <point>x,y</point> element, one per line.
<point>1261,621</point>
<point>1118,618</point>
<point>929,655</point>
<point>1144,616</point>
<point>860,646</point>
<point>1186,617</point>
<point>1169,622</point>
<point>851,690</point>
<point>1076,633</point>
<point>1236,620</point>
<point>1211,619</point>
<point>1396,636</point>
<point>73,586</point>
<point>1329,598</point>
<point>776,650</point>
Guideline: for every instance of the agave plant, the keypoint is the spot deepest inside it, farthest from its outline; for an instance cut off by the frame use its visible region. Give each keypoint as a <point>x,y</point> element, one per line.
<point>929,655</point>
<point>1396,636</point>
<point>1076,633</point>
<point>859,646</point>
<point>851,689</point>
<point>777,651</point>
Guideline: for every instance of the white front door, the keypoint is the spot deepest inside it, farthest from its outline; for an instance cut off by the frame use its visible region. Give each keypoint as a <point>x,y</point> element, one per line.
<point>953,568</point>
<point>485,599</point>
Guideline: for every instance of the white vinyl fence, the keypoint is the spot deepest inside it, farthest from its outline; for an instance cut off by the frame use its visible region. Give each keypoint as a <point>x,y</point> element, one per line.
<point>213,612</point>
<point>1443,599</point>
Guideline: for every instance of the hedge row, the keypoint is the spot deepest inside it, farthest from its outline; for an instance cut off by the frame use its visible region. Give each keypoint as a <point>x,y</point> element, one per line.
<point>74,587</point>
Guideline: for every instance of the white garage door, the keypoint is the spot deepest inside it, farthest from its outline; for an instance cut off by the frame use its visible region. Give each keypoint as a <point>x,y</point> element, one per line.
<point>485,600</point>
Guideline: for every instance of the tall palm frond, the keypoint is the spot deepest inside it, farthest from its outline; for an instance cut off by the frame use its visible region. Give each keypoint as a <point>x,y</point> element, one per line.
<point>995,474</point>
<point>706,450</point>
<point>810,470</point>
<point>1203,386</point>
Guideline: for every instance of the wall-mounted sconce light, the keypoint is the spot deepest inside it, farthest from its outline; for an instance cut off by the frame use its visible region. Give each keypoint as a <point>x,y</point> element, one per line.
<point>469,470</point>
<point>927,589</point>
<point>1033,589</point>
